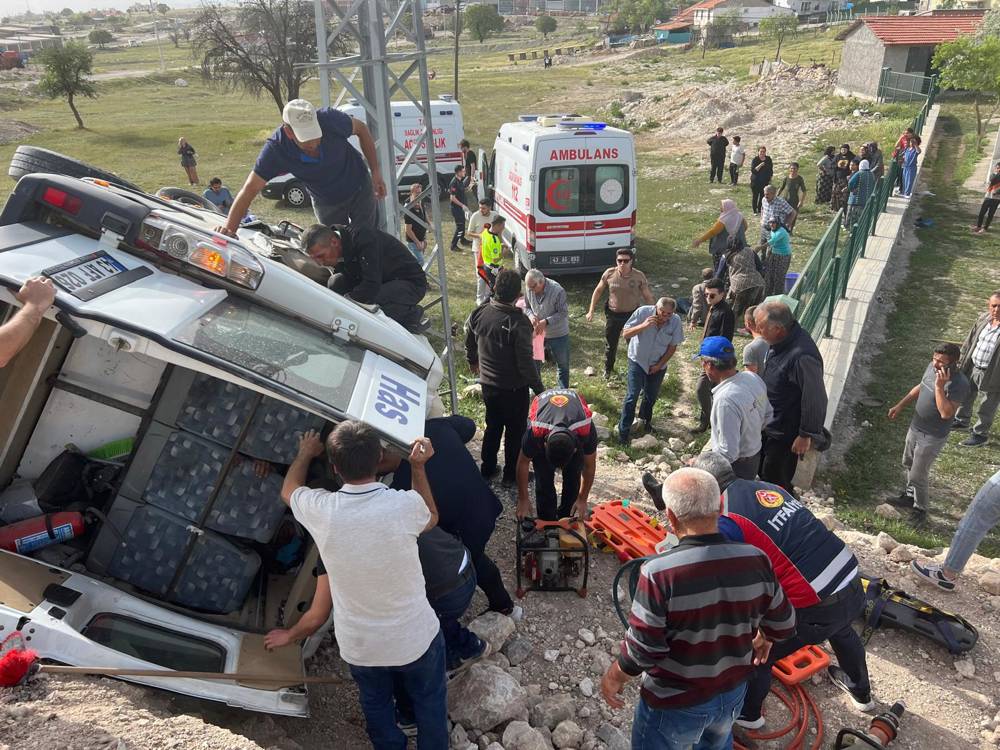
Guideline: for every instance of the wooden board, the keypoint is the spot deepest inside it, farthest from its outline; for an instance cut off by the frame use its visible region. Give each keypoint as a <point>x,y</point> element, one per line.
<point>255,659</point>
<point>23,581</point>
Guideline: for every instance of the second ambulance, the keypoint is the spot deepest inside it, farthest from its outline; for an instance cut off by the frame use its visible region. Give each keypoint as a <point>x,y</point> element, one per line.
<point>567,186</point>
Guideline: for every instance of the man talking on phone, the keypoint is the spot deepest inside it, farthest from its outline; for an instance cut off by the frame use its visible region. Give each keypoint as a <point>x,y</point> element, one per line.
<point>938,395</point>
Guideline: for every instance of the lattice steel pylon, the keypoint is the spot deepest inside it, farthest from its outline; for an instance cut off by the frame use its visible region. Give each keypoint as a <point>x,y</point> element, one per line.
<point>369,26</point>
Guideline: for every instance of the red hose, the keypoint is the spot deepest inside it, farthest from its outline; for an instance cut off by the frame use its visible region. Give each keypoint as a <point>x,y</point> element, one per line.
<point>801,705</point>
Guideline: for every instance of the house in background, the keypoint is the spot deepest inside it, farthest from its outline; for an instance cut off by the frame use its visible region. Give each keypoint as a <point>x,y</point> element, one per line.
<point>904,44</point>
<point>928,5</point>
<point>673,32</point>
<point>808,10</point>
<point>750,12</point>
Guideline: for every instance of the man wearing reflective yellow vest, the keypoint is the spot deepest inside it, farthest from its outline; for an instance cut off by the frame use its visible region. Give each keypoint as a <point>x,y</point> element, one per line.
<point>491,247</point>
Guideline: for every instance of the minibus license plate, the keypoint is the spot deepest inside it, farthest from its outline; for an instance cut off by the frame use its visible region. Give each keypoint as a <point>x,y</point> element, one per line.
<point>565,260</point>
<point>92,275</point>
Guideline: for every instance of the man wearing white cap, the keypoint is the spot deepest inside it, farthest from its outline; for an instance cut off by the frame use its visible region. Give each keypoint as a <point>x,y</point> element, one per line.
<point>312,145</point>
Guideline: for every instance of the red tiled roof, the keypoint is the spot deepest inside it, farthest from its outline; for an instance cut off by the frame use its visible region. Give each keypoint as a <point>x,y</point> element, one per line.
<point>687,15</point>
<point>922,30</point>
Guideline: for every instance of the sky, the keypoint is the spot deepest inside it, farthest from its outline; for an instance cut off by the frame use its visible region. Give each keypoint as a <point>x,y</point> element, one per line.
<point>14,7</point>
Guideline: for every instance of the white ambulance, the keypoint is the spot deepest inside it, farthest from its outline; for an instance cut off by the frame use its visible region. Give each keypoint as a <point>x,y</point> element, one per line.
<point>407,122</point>
<point>567,186</point>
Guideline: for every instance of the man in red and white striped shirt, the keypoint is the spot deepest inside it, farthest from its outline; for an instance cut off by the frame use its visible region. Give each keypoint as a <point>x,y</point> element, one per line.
<point>703,615</point>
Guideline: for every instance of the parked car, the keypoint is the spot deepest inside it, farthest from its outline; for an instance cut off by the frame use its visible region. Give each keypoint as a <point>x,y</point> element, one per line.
<point>287,188</point>
<point>182,367</point>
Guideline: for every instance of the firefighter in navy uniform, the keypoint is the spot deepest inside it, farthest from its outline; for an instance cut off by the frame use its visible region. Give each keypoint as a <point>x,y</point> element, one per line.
<point>560,437</point>
<point>816,570</point>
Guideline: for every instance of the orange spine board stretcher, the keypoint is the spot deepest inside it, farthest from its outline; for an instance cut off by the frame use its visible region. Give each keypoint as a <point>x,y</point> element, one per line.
<point>801,665</point>
<point>626,530</point>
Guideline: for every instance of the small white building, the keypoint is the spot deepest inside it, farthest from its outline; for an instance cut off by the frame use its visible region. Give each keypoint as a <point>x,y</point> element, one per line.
<point>750,12</point>
<point>808,9</point>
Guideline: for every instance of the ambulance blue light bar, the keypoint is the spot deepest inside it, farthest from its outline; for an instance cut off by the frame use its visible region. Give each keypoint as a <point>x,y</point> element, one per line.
<point>527,118</point>
<point>583,125</point>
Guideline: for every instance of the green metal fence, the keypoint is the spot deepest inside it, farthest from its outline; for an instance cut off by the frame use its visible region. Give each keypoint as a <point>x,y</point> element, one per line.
<point>823,280</point>
<point>903,87</point>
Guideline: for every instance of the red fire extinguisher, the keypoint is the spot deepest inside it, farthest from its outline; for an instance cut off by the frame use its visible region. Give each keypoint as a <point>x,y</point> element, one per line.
<point>41,531</point>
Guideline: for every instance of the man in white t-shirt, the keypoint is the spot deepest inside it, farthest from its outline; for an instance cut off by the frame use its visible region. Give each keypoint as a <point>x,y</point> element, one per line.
<point>367,535</point>
<point>737,155</point>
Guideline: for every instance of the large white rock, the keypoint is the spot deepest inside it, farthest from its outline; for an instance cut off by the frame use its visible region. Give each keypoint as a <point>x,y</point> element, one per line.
<point>645,443</point>
<point>494,628</point>
<point>887,511</point>
<point>885,542</point>
<point>990,583</point>
<point>902,554</point>
<point>612,736</point>
<point>519,735</point>
<point>567,735</point>
<point>484,696</point>
<point>549,712</point>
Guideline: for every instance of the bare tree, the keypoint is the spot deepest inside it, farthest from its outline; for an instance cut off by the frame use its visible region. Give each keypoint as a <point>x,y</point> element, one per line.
<point>256,46</point>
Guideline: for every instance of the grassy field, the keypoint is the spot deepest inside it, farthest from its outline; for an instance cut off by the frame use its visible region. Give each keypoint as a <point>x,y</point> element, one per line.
<point>950,276</point>
<point>132,129</point>
<point>145,57</point>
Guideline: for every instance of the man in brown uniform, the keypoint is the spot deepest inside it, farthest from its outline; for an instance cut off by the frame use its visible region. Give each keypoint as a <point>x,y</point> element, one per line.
<point>627,289</point>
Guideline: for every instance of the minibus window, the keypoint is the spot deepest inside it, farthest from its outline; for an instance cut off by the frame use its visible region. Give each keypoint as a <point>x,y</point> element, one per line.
<point>279,348</point>
<point>610,183</point>
<point>561,191</point>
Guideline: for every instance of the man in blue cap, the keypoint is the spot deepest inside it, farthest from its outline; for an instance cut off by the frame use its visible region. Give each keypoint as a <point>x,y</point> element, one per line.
<point>740,408</point>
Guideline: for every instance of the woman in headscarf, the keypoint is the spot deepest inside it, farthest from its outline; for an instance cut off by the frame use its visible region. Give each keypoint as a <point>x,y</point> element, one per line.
<point>746,285</point>
<point>824,177</point>
<point>841,174</point>
<point>729,224</point>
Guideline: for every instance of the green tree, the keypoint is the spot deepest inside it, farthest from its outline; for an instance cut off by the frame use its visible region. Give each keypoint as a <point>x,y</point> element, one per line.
<point>100,37</point>
<point>777,27</point>
<point>545,25</point>
<point>66,12</point>
<point>722,28</point>
<point>972,65</point>
<point>482,21</point>
<point>65,74</point>
<point>162,8</point>
<point>638,15</point>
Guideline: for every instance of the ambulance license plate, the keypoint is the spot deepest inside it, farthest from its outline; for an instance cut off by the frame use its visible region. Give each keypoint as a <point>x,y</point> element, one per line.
<point>92,275</point>
<point>565,260</point>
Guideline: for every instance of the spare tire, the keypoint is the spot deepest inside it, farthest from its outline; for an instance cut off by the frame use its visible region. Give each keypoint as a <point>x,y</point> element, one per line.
<point>187,197</point>
<point>31,159</point>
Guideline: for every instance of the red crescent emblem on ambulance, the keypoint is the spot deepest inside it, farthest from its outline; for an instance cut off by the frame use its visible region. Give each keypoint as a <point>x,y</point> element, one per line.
<point>552,195</point>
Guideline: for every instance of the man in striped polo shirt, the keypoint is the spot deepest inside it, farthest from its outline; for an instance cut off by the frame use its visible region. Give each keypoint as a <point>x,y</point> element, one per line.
<point>704,614</point>
<point>816,570</point>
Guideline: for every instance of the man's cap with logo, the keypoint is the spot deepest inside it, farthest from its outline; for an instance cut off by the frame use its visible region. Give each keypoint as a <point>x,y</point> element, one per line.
<point>300,116</point>
<point>717,347</point>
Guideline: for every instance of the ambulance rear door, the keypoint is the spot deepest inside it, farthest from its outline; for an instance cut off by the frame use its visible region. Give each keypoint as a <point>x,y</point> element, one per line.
<point>610,188</point>
<point>559,204</point>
